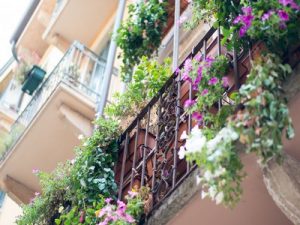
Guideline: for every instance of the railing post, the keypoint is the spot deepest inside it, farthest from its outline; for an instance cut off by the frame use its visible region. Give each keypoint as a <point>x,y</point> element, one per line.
<point>176,35</point>
<point>110,59</point>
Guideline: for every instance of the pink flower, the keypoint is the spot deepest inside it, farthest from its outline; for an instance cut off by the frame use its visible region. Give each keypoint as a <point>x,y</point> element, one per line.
<point>129,219</point>
<point>225,82</point>
<point>186,77</point>
<point>292,3</point>
<point>204,92</point>
<point>245,19</point>
<point>177,71</point>
<point>36,194</point>
<point>132,194</point>
<point>108,200</point>
<point>35,171</point>
<point>198,57</point>
<point>197,116</point>
<point>121,205</point>
<point>188,66</point>
<point>181,20</point>
<point>213,81</point>
<point>267,15</point>
<point>209,60</point>
<point>189,103</point>
<point>283,15</point>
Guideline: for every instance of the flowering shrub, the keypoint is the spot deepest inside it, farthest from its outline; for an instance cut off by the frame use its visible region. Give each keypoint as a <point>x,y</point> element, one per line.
<point>140,35</point>
<point>219,163</point>
<point>207,78</point>
<point>76,185</point>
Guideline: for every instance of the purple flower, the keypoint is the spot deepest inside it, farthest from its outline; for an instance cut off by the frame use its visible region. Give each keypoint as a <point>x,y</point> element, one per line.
<point>282,25</point>
<point>108,200</point>
<point>129,219</point>
<point>132,194</point>
<point>225,82</point>
<point>198,80</point>
<point>188,66</point>
<point>209,60</point>
<point>283,15</point>
<point>197,116</point>
<point>247,10</point>
<point>267,15</point>
<point>198,57</point>
<point>186,77</point>
<point>204,92</point>
<point>292,3</point>
<point>245,19</point>
<point>121,205</point>
<point>213,81</point>
<point>189,103</point>
<point>177,71</point>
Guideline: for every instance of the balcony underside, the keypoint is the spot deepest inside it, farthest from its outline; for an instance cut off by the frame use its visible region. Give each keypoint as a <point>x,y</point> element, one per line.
<point>77,20</point>
<point>48,140</point>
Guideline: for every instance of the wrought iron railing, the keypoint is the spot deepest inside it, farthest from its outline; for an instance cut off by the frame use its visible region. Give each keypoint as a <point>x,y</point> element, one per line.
<point>80,69</point>
<point>149,146</point>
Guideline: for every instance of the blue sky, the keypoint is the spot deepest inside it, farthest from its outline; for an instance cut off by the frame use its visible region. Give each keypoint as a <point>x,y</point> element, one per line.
<point>11,12</point>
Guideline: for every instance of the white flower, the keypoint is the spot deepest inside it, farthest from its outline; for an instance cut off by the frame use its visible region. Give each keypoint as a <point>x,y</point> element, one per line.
<point>212,145</point>
<point>212,192</point>
<point>181,152</point>
<point>219,197</point>
<point>85,144</point>
<point>208,175</point>
<point>198,180</point>
<point>215,155</point>
<point>80,136</point>
<point>204,194</point>
<point>183,135</point>
<point>220,171</point>
<point>196,142</point>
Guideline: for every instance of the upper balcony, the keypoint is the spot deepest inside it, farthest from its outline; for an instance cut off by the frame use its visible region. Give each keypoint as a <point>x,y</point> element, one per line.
<point>47,130</point>
<point>76,20</point>
<point>150,145</point>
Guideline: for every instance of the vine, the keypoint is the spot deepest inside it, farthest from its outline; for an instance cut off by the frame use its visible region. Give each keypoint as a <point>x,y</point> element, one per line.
<point>140,35</point>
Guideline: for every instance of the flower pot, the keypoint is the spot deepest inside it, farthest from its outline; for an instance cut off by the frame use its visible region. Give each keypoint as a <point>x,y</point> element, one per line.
<point>34,77</point>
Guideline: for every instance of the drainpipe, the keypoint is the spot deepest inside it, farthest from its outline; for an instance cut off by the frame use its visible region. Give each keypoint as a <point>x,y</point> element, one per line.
<point>20,28</point>
<point>176,35</point>
<point>110,60</point>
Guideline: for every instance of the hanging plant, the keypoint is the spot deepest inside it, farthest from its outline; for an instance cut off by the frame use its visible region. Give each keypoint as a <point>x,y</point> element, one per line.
<point>141,34</point>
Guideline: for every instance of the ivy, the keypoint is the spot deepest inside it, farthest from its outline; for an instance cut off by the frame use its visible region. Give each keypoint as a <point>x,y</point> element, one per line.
<point>140,35</point>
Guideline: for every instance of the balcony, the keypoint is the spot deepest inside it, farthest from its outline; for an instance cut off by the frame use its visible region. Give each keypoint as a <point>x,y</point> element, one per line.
<point>46,131</point>
<point>149,153</point>
<point>66,23</point>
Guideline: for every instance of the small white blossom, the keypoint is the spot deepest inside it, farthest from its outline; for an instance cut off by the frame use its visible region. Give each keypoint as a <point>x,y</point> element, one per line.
<point>181,152</point>
<point>220,171</point>
<point>198,180</point>
<point>204,194</point>
<point>183,135</point>
<point>212,192</point>
<point>85,144</point>
<point>219,197</point>
<point>196,142</point>
<point>208,175</point>
<point>80,136</point>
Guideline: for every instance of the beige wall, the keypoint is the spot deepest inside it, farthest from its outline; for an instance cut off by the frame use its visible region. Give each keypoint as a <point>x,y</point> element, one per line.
<point>9,212</point>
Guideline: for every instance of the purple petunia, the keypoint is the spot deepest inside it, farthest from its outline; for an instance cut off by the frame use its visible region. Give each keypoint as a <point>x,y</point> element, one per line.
<point>209,60</point>
<point>197,116</point>
<point>213,81</point>
<point>225,82</point>
<point>245,19</point>
<point>186,77</point>
<point>189,103</point>
<point>188,66</point>
<point>292,4</point>
<point>198,57</point>
<point>283,15</point>
<point>267,15</point>
<point>204,92</point>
